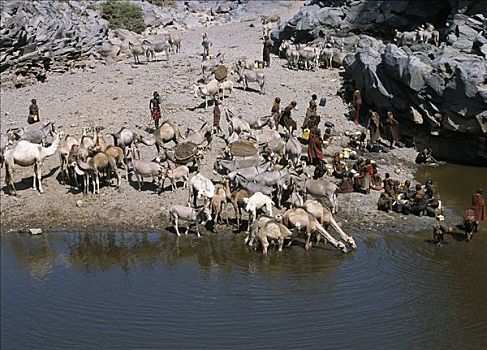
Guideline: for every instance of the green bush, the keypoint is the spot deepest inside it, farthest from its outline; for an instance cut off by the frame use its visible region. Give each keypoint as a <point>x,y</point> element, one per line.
<point>124,14</point>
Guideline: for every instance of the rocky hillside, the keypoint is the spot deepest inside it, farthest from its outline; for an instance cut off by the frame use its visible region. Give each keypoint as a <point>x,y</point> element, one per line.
<point>41,38</point>
<point>439,94</point>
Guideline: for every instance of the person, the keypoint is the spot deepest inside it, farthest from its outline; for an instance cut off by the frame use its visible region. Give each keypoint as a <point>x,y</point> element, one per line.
<point>425,156</point>
<point>469,224</point>
<point>266,56</point>
<point>373,125</point>
<point>346,185</point>
<point>216,117</point>
<point>315,152</point>
<point>392,129</point>
<point>384,202</point>
<point>440,229</point>
<point>419,201</point>
<point>276,111</point>
<point>339,167</point>
<point>406,190</point>
<point>155,109</point>
<point>390,185</point>
<point>357,105</point>
<point>285,117</point>
<point>33,112</point>
<point>311,119</point>
<point>478,206</point>
<point>368,173</point>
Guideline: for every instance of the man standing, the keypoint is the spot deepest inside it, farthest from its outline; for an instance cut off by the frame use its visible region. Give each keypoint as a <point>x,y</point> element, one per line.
<point>315,151</point>
<point>155,109</point>
<point>357,105</point>
<point>311,119</point>
<point>266,51</point>
<point>33,112</point>
<point>276,111</point>
<point>392,129</point>
<point>216,117</point>
<point>478,206</point>
<point>374,126</point>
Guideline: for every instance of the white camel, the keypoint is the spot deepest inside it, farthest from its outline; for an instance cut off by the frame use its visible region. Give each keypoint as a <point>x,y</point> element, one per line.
<point>25,153</point>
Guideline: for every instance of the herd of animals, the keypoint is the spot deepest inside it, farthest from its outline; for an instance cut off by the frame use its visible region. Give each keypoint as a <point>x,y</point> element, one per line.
<point>274,176</point>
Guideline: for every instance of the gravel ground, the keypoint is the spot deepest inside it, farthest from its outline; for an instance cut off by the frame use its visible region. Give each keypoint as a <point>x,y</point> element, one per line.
<point>118,95</point>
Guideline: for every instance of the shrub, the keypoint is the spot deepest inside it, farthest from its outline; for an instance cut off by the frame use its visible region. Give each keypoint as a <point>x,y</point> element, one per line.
<point>123,14</point>
<point>163,3</point>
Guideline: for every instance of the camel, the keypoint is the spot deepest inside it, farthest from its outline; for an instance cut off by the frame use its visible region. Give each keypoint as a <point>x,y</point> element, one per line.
<point>300,219</point>
<point>93,166</point>
<point>124,139</point>
<point>65,147</point>
<point>204,134</point>
<point>25,153</point>
<point>324,216</point>
<point>218,205</point>
<point>167,132</point>
<point>273,231</point>
<point>236,198</point>
<point>257,201</point>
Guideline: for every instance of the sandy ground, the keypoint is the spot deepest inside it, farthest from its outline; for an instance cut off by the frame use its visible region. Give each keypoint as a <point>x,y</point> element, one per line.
<point>118,95</point>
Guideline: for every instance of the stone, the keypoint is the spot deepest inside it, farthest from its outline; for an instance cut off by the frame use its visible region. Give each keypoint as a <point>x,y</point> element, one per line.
<point>35,231</point>
<point>79,203</point>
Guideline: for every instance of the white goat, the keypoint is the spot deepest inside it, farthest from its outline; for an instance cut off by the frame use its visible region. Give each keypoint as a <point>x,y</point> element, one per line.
<point>209,90</point>
<point>226,86</point>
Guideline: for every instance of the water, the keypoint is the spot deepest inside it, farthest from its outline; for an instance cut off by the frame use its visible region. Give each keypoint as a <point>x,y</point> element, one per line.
<point>154,291</point>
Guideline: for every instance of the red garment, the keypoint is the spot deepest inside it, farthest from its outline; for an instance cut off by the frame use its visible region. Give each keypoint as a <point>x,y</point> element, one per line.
<point>478,206</point>
<point>156,113</point>
<point>314,148</point>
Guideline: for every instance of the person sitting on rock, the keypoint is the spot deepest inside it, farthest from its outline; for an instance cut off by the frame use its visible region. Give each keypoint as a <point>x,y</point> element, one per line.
<point>425,156</point>
<point>339,166</point>
<point>419,202</point>
<point>390,185</point>
<point>385,202</point>
<point>406,190</point>
<point>346,185</point>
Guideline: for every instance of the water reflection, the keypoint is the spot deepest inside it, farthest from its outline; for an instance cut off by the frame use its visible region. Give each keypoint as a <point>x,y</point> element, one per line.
<point>94,252</point>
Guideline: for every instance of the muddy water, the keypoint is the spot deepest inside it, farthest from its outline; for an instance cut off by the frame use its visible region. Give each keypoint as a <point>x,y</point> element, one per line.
<point>124,291</point>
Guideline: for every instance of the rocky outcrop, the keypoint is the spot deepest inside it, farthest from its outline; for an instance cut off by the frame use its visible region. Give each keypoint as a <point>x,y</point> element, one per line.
<point>439,94</point>
<point>36,38</point>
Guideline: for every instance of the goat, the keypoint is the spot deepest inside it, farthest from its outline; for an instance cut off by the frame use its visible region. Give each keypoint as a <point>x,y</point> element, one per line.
<point>226,86</point>
<point>175,175</point>
<point>209,90</point>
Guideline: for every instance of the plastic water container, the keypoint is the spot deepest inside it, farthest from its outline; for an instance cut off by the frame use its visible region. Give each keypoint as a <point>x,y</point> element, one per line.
<point>305,135</point>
